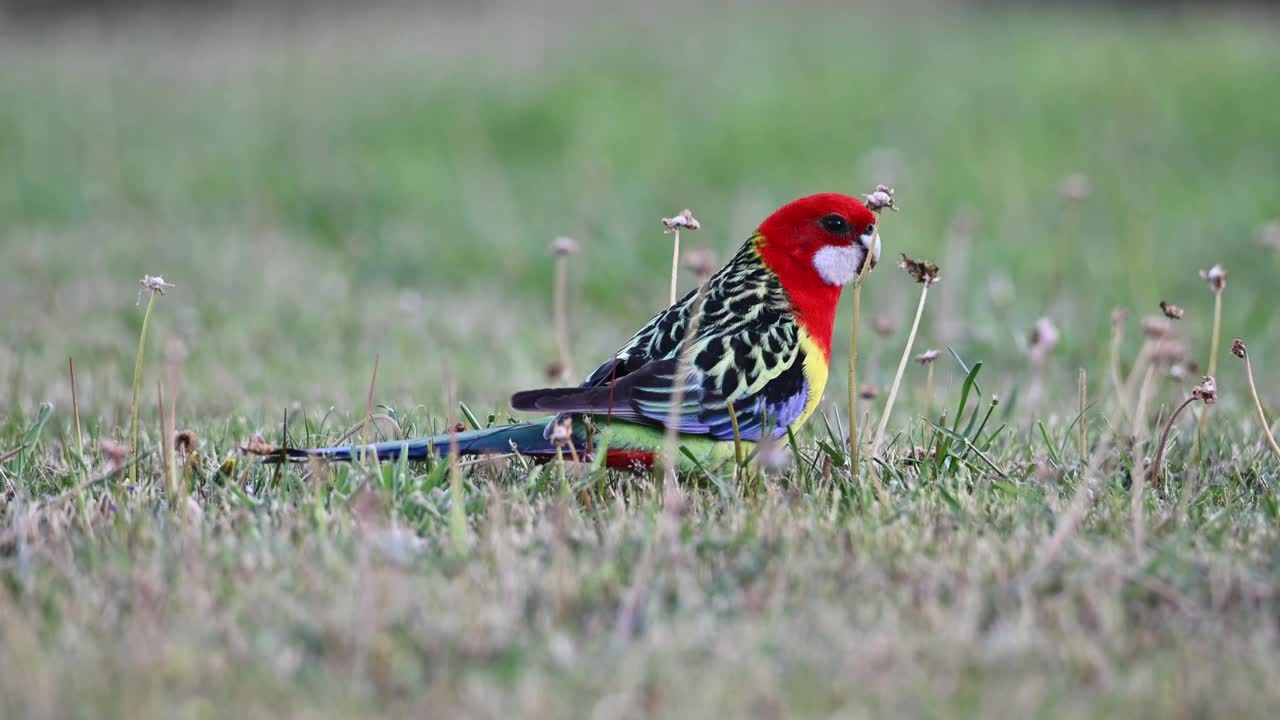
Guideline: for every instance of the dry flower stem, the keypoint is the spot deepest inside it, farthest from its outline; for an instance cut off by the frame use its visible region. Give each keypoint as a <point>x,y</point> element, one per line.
<point>457,513</point>
<point>671,441</point>
<point>137,386</point>
<point>675,264</point>
<point>1157,469</point>
<point>84,466</point>
<point>1122,397</point>
<point>1084,431</point>
<point>368,412</point>
<point>737,436</point>
<point>1257,404</point>
<point>853,364</point>
<point>902,366</point>
<point>1214,341</point>
<point>928,392</point>
<point>166,445</point>
<point>562,315</point>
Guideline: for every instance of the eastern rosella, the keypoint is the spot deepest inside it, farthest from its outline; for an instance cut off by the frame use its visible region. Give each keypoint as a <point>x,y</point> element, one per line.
<point>763,342</point>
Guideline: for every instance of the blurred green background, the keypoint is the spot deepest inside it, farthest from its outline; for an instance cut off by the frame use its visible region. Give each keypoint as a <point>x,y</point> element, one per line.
<point>326,186</point>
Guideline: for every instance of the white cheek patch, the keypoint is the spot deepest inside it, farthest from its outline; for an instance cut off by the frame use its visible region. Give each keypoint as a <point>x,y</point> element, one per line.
<point>838,265</point>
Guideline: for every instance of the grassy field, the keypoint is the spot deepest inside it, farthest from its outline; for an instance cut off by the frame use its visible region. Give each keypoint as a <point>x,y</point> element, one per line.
<point>326,193</point>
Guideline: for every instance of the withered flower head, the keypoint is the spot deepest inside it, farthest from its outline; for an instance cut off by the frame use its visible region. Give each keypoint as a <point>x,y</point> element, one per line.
<point>1155,327</point>
<point>186,442</point>
<point>927,357</point>
<point>155,283</point>
<point>1216,277</point>
<point>1075,188</point>
<point>564,246</point>
<point>257,445</point>
<point>701,262</point>
<point>1043,337</point>
<point>1171,311</point>
<point>868,392</point>
<point>1206,391</point>
<point>880,198</point>
<point>1238,349</point>
<point>683,221</point>
<point>883,326</point>
<point>554,371</point>
<point>1118,318</point>
<point>116,453</point>
<point>562,432</point>
<point>1167,352</point>
<point>922,271</point>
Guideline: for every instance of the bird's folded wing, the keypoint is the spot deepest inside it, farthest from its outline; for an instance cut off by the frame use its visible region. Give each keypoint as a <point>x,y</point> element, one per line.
<point>770,398</point>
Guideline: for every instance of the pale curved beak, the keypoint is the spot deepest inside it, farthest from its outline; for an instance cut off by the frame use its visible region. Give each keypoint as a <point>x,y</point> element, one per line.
<point>871,242</point>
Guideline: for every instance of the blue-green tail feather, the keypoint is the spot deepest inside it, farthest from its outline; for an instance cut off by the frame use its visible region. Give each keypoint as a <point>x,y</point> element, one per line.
<point>526,438</point>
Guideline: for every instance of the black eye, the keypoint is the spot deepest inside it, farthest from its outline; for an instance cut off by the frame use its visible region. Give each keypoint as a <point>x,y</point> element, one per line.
<point>870,229</point>
<point>835,224</point>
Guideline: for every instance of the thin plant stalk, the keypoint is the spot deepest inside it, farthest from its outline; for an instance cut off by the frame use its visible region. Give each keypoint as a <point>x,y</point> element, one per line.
<point>671,441</point>
<point>1157,467</point>
<point>675,264</point>
<point>902,367</point>
<point>457,501</point>
<point>166,441</point>
<point>562,315</point>
<point>1136,475</point>
<point>84,467</point>
<point>1122,397</point>
<point>1215,340</point>
<point>1084,430</point>
<point>1257,404</point>
<point>737,436</point>
<point>368,412</point>
<point>853,364</point>
<point>137,387</point>
<point>928,392</point>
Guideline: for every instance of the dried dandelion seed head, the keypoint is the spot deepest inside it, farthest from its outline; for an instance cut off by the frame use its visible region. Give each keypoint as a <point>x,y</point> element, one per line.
<point>682,221</point>
<point>1216,277</point>
<point>1155,327</point>
<point>1171,311</point>
<point>1238,349</point>
<point>156,283</point>
<point>115,453</point>
<point>927,357</point>
<point>883,326</point>
<point>1168,352</point>
<point>922,271</point>
<point>186,442</point>
<point>868,392</point>
<point>1206,391</point>
<point>1119,316</point>
<point>1269,235</point>
<point>562,432</point>
<point>564,246</point>
<point>257,445</point>
<point>1043,338</point>
<point>554,371</point>
<point>880,198</point>
<point>1075,188</point>
<point>701,262</point>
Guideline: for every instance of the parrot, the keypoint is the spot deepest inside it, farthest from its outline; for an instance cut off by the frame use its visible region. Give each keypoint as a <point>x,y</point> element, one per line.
<point>761,341</point>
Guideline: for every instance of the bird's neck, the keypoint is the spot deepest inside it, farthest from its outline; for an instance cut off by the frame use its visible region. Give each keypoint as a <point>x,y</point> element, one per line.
<point>813,300</point>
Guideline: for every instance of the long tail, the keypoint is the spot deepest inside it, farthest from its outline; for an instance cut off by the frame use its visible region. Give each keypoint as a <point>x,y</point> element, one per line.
<point>525,438</point>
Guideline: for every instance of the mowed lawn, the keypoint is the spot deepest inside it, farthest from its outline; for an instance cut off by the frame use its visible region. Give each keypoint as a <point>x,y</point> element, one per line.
<point>326,193</point>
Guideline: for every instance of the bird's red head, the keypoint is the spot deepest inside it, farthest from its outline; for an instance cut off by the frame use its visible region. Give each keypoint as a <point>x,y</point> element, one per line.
<point>816,245</point>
